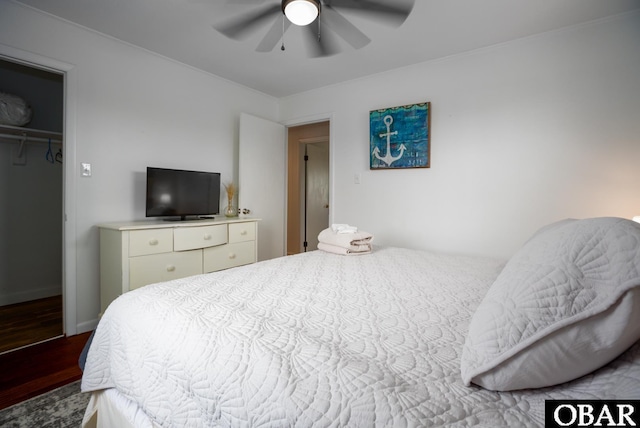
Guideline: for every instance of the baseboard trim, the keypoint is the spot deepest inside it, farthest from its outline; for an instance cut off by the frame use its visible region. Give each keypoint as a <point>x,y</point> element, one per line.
<point>27,296</point>
<point>86,326</point>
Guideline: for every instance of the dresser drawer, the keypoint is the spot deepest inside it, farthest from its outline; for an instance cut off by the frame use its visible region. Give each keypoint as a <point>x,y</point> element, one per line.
<point>146,270</point>
<point>240,232</point>
<point>228,256</point>
<point>190,238</point>
<point>134,254</point>
<point>150,241</point>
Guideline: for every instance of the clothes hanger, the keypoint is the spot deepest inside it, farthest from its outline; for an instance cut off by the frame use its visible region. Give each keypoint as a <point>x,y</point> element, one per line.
<point>49,155</point>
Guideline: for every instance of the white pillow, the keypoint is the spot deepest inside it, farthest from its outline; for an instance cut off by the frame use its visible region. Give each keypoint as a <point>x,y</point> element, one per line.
<point>565,304</point>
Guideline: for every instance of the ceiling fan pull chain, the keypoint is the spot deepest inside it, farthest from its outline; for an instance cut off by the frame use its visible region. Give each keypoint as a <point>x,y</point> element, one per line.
<point>282,47</point>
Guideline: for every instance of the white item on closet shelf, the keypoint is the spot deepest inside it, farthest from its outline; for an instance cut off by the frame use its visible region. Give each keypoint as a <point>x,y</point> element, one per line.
<point>14,110</point>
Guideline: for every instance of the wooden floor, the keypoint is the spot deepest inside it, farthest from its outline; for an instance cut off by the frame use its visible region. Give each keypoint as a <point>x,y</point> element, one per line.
<point>36,369</point>
<point>30,322</point>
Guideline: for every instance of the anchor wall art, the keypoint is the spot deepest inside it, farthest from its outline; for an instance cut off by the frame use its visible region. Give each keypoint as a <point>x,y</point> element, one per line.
<point>399,137</point>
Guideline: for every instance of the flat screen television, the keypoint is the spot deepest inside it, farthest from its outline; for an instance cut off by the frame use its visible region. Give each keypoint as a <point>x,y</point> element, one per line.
<point>178,194</point>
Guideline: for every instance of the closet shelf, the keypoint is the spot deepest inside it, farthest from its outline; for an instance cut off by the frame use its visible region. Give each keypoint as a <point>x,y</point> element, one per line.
<point>17,133</point>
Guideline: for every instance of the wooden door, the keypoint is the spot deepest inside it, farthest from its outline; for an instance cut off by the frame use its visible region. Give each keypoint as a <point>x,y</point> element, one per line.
<point>262,181</point>
<point>316,210</point>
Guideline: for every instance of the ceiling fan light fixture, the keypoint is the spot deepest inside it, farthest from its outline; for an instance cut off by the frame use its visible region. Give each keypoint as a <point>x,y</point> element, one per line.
<point>301,12</point>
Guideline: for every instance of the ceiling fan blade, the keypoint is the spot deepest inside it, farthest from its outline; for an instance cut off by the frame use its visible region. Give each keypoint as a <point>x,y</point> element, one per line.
<point>322,46</point>
<point>274,35</point>
<point>244,1</point>
<point>239,27</point>
<point>394,14</point>
<point>342,27</point>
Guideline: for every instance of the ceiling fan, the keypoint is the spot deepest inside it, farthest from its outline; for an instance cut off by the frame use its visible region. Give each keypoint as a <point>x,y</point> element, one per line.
<point>321,20</point>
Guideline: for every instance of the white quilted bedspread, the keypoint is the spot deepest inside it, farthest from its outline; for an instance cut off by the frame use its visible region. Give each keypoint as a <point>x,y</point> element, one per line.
<point>318,340</point>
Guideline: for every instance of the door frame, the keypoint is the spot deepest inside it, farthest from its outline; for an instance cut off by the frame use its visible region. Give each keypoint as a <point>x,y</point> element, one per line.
<point>304,142</point>
<point>309,120</point>
<point>70,89</point>
<point>304,217</point>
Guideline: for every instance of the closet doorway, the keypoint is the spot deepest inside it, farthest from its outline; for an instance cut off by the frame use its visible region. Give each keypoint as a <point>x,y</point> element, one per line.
<point>307,185</point>
<point>31,208</point>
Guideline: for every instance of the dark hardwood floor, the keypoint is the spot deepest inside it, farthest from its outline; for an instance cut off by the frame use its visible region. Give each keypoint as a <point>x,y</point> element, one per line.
<point>30,322</point>
<point>35,369</point>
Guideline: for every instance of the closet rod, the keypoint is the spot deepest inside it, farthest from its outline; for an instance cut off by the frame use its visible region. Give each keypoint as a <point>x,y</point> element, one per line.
<point>27,138</point>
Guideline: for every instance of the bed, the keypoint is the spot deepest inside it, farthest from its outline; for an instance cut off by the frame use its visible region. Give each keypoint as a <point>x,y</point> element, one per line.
<point>397,337</point>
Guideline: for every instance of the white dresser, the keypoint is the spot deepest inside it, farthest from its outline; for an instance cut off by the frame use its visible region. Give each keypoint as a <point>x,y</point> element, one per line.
<point>134,254</point>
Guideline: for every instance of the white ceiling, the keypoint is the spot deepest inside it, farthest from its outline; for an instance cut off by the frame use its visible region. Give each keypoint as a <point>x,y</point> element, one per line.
<point>182,30</point>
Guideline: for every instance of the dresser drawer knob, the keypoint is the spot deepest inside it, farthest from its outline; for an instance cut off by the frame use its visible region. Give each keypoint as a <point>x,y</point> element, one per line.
<point>232,255</point>
<point>171,268</point>
<point>207,237</point>
<point>153,242</point>
<point>244,232</point>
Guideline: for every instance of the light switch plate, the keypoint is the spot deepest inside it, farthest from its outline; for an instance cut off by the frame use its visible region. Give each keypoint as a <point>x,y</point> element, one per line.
<point>86,169</point>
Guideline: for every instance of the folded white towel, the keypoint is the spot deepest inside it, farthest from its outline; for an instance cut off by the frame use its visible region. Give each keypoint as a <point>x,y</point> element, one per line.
<point>343,251</point>
<point>343,228</point>
<point>350,241</point>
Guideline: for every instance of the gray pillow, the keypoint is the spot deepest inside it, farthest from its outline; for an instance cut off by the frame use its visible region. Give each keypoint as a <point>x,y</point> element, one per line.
<point>565,304</point>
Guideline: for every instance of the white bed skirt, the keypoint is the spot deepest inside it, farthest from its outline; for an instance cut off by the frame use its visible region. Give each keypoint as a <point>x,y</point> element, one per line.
<point>108,408</point>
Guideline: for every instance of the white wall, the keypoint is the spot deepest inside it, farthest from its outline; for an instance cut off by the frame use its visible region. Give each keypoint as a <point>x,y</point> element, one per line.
<point>132,109</point>
<point>523,134</point>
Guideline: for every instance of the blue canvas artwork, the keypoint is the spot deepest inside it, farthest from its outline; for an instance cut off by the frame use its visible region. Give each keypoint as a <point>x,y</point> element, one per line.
<point>399,137</point>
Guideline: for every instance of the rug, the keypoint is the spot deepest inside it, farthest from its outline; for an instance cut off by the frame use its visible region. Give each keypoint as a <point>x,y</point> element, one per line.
<point>63,407</point>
